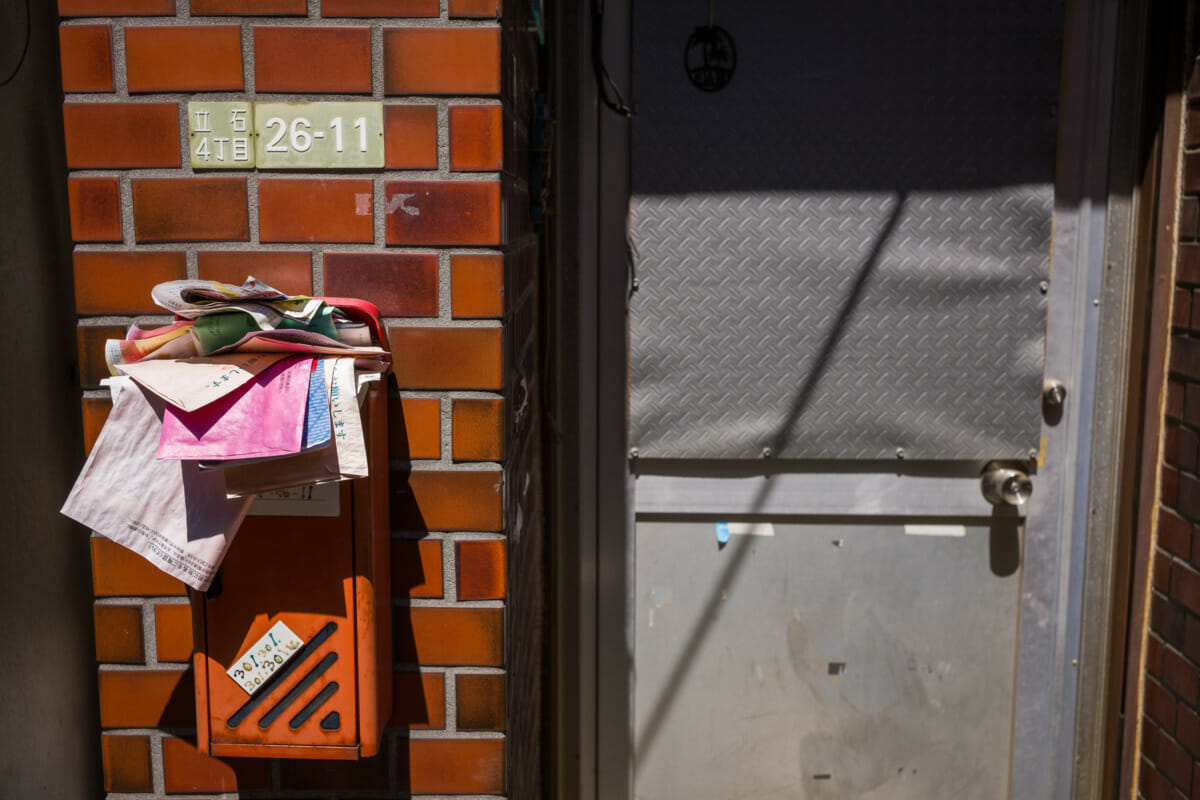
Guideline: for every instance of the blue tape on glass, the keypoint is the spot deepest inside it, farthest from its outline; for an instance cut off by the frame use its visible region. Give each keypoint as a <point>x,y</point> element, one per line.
<point>722,532</point>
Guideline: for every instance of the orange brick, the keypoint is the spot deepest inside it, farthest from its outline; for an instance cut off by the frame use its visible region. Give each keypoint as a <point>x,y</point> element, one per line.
<point>441,61</point>
<point>120,282</point>
<point>184,58</point>
<point>120,135</point>
<point>447,358</point>
<point>86,55</point>
<point>420,700</point>
<point>289,272</point>
<point>477,426</point>
<point>481,570</point>
<point>95,412</point>
<point>416,568</point>
<point>119,634</point>
<point>379,8</point>
<point>146,698</point>
<point>100,8</point>
<point>315,210</point>
<point>447,501</point>
<point>414,428</point>
<point>401,285</point>
<point>448,212</point>
<point>91,339</point>
<point>95,205</point>
<point>186,770</point>
<point>460,636</point>
<point>180,209</point>
<point>334,776</point>
<point>410,137</point>
<point>477,286</point>
<point>479,9</point>
<point>173,632</point>
<point>119,572</point>
<point>126,762</point>
<point>481,703</point>
<point>249,7</point>
<point>311,59</point>
<point>453,766</point>
<point>476,138</point>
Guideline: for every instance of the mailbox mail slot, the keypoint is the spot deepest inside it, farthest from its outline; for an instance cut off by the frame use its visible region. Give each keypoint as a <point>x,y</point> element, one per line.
<point>327,580</point>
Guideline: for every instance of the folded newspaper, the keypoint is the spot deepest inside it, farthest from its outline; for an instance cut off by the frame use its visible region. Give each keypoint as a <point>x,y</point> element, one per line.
<point>250,391</point>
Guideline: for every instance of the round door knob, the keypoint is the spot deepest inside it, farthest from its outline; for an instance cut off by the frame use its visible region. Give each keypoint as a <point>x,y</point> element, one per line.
<point>1005,486</point>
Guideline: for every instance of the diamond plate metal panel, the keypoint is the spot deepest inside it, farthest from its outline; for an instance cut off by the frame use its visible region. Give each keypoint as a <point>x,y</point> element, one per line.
<point>841,255</point>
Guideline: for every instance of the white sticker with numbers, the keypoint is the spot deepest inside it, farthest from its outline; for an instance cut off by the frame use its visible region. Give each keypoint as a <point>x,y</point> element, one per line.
<point>264,657</point>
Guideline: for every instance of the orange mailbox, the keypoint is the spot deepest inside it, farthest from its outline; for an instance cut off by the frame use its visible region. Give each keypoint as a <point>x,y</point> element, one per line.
<point>313,592</point>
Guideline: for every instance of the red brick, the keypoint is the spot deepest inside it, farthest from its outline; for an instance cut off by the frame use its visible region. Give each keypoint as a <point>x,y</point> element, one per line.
<point>184,58</point>
<point>126,762</point>
<point>476,138</point>
<point>1191,639</point>
<point>1188,501</point>
<point>478,429</point>
<point>309,59</point>
<point>94,411</point>
<point>315,210</point>
<point>120,282</point>
<point>187,770</point>
<point>478,9</point>
<point>146,698</point>
<point>1175,395</point>
<point>458,636</point>
<point>121,135</point>
<point>453,766</point>
<point>1189,215</point>
<point>442,501</point>
<point>420,700</point>
<point>1181,676</point>
<point>1174,533</point>
<point>441,61</point>
<point>1187,730</point>
<point>1162,571</point>
<point>1152,784</point>
<point>289,272</point>
<point>1174,762</point>
<point>379,8</point>
<point>416,568</point>
<point>1188,445</point>
<point>446,212</point>
<point>480,702</point>
<point>1191,173</point>
<point>481,570</point>
<point>1154,651</point>
<point>1167,619</point>
<point>332,776</point>
<point>402,285</point>
<point>101,8</point>
<point>477,286</point>
<point>410,137</point>
<point>1190,406</point>
<point>181,209</point>
<point>1149,735</point>
<point>447,358</point>
<point>1169,488</point>
<point>119,634</point>
<point>1185,357</point>
<point>1181,309</point>
<point>86,56</point>
<point>95,205</point>
<point>1187,266</point>
<point>119,572</point>
<point>173,632</point>
<point>90,339</point>
<point>1160,705</point>
<point>249,7</point>
<point>414,428</point>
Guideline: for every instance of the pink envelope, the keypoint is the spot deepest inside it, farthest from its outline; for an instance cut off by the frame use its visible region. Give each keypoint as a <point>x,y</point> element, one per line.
<point>263,418</point>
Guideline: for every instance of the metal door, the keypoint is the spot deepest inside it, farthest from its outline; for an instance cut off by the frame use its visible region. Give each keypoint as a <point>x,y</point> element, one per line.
<point>842,307</point>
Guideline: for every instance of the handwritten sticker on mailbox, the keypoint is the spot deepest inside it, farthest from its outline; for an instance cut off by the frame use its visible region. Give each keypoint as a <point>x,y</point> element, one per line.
<point>274,649</point>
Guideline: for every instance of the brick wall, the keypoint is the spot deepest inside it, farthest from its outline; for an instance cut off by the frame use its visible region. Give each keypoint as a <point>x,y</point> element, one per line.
<point>458,287</point>
<point>1170,766</point>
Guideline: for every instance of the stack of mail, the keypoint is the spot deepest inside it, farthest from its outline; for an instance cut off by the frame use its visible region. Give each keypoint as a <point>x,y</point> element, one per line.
<point>250,391</point>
